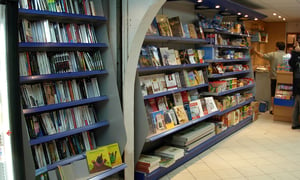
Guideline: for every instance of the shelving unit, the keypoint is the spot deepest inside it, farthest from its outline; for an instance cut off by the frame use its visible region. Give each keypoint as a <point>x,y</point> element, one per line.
<point>146,143</point>
<point>107,106</point>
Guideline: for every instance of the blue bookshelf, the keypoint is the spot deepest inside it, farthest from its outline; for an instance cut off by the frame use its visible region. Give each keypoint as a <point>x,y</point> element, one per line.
<point>235,107</point>
<point>229,91</point>
<point>60,76</point>
<point>65,105</point>
<point>60,16</point>
<point>211,76</point>
<point>195,152</point>
<point>41,46</point>
<point>227,60</point>
<point>44,139</point>
<point>175,91</point>
<point>180,127</point>
<point>144,70</point>
<point>174,39</point>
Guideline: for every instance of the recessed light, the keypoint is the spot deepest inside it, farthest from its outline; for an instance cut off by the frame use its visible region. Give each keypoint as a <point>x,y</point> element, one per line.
<point>199,1</point>
<point>255,19</point>
<point>239,13</point>
<point>274,14</point>
<point>283,19</point>
<point>218,6</point>
<point>279,17</point>
<point>246,15</point>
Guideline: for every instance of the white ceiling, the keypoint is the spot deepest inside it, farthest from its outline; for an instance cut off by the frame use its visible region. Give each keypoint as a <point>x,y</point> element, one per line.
<point>289,9</point>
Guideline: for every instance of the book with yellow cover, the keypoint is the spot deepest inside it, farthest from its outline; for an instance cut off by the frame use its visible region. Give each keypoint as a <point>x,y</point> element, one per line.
<point>114,154</point>
<point>98,159</point>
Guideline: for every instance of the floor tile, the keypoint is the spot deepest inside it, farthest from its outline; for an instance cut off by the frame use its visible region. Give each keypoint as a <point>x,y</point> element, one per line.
<point>250,171</point>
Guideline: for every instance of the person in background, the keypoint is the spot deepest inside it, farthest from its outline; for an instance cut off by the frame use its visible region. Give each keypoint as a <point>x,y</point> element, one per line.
<point>275,58</point>
<point>294,62</point>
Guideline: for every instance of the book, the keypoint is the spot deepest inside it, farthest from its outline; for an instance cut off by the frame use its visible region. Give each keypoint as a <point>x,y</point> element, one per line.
<point>153,29</point>
<point>176,26</point>
<point>170,151</point>
<point>114,154</point>
<point>164,54</point>
<point>163,25</point>
<point>166,161</point>
<point>148,160</point>
<point>184,57</point>
<point>171,81</point>
<point>146,169</point>
<point>98,159</point>
<point>144,58</point>
<point>192,31</point>
<point>186,31</point>
<point>181,114</point>
<point>210,104</point>
<point>169,120</point>
<point>154,54</point>
<point>161,103</point>
<point>158,120</point>
<point>177,57</point>
<point>177,99</point>
<point>196,109</point>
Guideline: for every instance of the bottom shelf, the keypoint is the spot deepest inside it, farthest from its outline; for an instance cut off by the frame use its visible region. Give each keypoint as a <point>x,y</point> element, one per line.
<point>107,173</point>
<point>196,151</point>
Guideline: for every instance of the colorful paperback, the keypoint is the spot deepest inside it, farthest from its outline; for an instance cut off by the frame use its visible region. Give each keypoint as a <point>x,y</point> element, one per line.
<point>98,159</point>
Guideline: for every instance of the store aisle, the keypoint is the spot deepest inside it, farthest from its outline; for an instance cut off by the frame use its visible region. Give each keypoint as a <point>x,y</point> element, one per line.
<point>263,150</point>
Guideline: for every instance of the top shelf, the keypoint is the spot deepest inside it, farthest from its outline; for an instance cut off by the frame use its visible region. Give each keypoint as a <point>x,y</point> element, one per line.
<point>61,17</point>
<point>174,39</point>
<point>225,33</point>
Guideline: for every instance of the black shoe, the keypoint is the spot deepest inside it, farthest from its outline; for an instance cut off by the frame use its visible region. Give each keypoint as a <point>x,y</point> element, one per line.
<point>296,127</point>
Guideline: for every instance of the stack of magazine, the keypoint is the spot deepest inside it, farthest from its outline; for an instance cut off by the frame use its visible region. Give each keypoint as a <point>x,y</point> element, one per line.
<point>193,136</point>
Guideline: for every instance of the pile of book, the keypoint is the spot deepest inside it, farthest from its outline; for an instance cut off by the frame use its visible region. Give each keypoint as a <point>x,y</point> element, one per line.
<point>148,163</point>
<point>193,136</point>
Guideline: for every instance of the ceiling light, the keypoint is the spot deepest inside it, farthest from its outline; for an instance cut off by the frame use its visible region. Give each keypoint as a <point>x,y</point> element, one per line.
<point>279,17</point>
<point>218,6</point>
<point>283,19</point>
<point>199,1</point>
<point>246,15</point>
<point>239,13</point>
<point>274,14</point>
<point>255,19</point>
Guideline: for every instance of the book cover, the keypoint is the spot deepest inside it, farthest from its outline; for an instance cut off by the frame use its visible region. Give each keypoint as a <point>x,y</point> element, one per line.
<point>145,59</point>
<point>154,54</point>
<point>186,31</point>
<point>192,79</point>
<point>163,25</point>
<point>188,110</point>
<point>165,56</point>
<point>153,104</point>
<point>153,29</point>
<point>210,104</point>
<point>171,81</point>
<point>181,114</point>
<point>192,31</point>
<point>176,26</point>
<point>159,120</point>
<point>166,161</point>
<point>203,105</point>
<point>161,103</point>
<point>170,151</point>
<point>177,99</point>
<point>114,154</point>
<point>169,121</point>
<point>177,57</point>
<point>196,109</point>
<point>191,56</point>
<point>172,57</point>
<point>184,57</point>
<point>98,159</point>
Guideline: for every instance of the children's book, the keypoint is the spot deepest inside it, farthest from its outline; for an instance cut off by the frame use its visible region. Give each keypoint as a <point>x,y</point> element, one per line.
<point>114,154</point>
<point>98,159</point>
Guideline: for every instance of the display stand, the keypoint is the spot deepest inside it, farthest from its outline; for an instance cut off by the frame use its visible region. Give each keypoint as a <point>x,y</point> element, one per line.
<point>283,109</point>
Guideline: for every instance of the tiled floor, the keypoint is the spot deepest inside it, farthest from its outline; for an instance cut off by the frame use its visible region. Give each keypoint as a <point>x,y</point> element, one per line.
<point>265,149</point>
